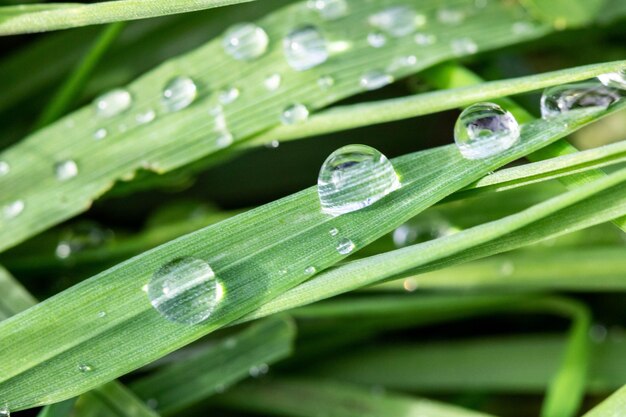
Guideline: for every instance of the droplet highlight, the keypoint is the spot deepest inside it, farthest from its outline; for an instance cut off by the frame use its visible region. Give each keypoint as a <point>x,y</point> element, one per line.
<point>425,227</point>
<point>65,170</point>
<point>113,103</point>
<point>329,9</point>
<point>568,97</point>
<point>463,46</point>
<point>228,95</point>
<point>485,129</point>
<point>305,48</point>
<point>4,168</point>
<point>85,368</point>
<point>272,82</point>
<point>100,134</point>
<point>294,113</point>
<point>354,177</point>
<point>345,246</point>
<point>245,41</point>
<point>13,209</point>
<point>145,117</point>
<point>614,79</point>
<point>325,82</point>
<point>397,21</point>
<point>179,93</point>
<point>373,80</point>
<point>376,39</point>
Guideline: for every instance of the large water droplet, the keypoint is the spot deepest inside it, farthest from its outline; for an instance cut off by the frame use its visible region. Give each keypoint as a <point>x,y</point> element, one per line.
<point>65,170</point>
<point>397,21</point>
<point>485,129</point>
<point>353,177</point>
<point>376,39</point>
<point>179,93</point>
<point>375,79</point>
<point>13,209</point>
<point>272,82</point>
<point>345,246</point>
<point>614,79</point>
<point>305,47</point>
<point>113,103</point>
<point>85,368</point>
<point>4,168</point>
<point>245,41</point>
<point>294,113</point>
<point>228,95</point>
<point>563,98</point>
<point>329,9</point>
<point>184,290</point>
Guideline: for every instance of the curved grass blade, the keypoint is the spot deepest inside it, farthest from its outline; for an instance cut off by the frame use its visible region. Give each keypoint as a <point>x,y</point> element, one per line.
<point>271,250</point>
<point>112,399</point>
<point>13,297</point>
<point>612,406</point>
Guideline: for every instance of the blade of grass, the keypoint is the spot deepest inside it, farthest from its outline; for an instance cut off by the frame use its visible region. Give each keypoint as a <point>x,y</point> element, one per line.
<point>112,400</point>
<point>613,406</point>
<point>13,296</point>
<point>62,409</point>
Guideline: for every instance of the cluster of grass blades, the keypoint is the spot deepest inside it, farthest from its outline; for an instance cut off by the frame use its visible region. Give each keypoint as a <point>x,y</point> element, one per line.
<point>301,294</point>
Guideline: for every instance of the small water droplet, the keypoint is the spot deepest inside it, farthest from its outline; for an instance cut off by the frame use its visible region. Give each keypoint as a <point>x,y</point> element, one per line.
<point>463,46</point>
<point>179,93</point>
<point>397,21</point>
<point>334,231</point>
<point>522,28</point>
<point>258,370</point>
<point>507,268</point>
<point>325,82</point>
<point>113,103</point>
<point>81,236</point>
<point>485,129</point>
<point>564,98</point>
<point>450,16</point>
<point>294,113</point>
<point>100,133</point>
<point>345,246</point>
<point>102,314</point>
<point>614,79</point>
<point>425,39</point>
<point>230,343</point>
<point>13,209</point>
<point>184,290</point>
<point>272,144</point>
<point>305,48</point>
<point>425,227</point>
<point>4,411</point>
<point>354,177</point>
<point>329,9</point>
<point>376,39</point>
<point>228,95</point>
<point>4,168</point>
<point>224,139</point>
<point>245,41</point>
<point>65,170</point>
<point>272,82</point>
<point>402,62</point>
<point>145,117</point>
<point>409,285</point>
<point>310,270</point>
<point>85,368</point>
<point>375,79</point>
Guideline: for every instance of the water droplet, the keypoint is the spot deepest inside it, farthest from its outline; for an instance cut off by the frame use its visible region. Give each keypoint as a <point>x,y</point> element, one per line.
<point>100,133</point>
<point>402,62</point>
<point>230,343</point>
<point>305,47</point>
<point>345,246</point>
<point>485,129</point>
<point>425,227</point>
<point>294,113</point>
<point>65,170</point>
<point>258,370</point>
<point>424,39</point>
<point>14,209</point>
<point>102,314</point>
<point>4,411</point>
<point>4,168</point>
<point>564,98</point>
<point>397,21</point>
<point>184,290</point>
<point>354,177</point>
<point>598,333</point>
<point>228,95</point>
<point>329,9</point>
<point>325,82</point>
<point>614,79</point>
<point>334,231</point>
<point>310,270</point>
<point>376,39</point>
<point>145,117</point>
<point>522,28</point>
<point>272,144</point>
<point>81,236</point>
<point>409,284</point>
<point>507,268</point>
<point>113,103</point>
<point>375,79</point>
<point>179,93</point>
<point>463,46</point>
<point>245,41</point>
<point>272,82</point>
<point>224,139</point>
<point>450,16</point>
<point>85,368</point>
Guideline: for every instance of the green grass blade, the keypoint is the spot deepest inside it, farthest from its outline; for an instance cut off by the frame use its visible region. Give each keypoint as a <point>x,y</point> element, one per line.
<point>62,409</point>
<point>112,399</point>
<point>14,298</point>
<point>290,233</point>
<point>315,397</point>
<point>45,17</point>
<point>614,406</point>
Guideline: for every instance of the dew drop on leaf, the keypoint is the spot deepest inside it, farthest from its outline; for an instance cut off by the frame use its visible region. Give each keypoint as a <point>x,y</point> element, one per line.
<point>325,82</point>
<point>354,177</point>
<point>113,103</point>
<point>425,227</point>
<point>228,95</point>
<point>485,129</point>
<point>4,168</point>
<point>4,411</point>
<point>294,113</point>
<point>614,79</point>
<point>310,270</point>
<point>65,170</point>
<point>100,134</point>
<point>85,368</point>
<point>145,117</point>
<point>179,93</point>
<point>305,48</point>
<point>184,290</point>
<point>245,41</point>
<point>334,231</point>
<point>397,21</point>
<point>13,209</point>
<point>564,98</point>
<point>345,246</point>
<point>424,39</point>
<point>463,46</point>
<point>329,9</point>
<point>450,16</point>
<point>375,79</point>
<point>81,236</point>
<point>272,82</point>
<point>376,39</point>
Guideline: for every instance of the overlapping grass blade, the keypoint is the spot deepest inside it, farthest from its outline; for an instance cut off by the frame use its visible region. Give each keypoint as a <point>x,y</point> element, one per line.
<point>14,297</point>
<point>612,406</point>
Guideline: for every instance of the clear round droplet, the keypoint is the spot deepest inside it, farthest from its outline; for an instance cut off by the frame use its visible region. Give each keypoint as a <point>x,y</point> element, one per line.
<point>294,113</point>
<point>100,134</point>
<point>145,117</point>
<point>325,82</point>
<point>65,170</point>
<point>564,98</point>
<point>305,47</point>
<point>4,168</point>
<point>345,246</point>
<point>485,129</point>
<point>85,368</point>
<point>179,93</point>
<point>272,144</point>
<point>245,41</point>
<point>113,103</point>
<point>354,177</point>
<point>376,39</point>
<point>463,46</point>
<point>409,285</point>
<point>334,231</point>
<point>397,21</point>
<point>424,39</point>
<point>228,95</point>
<point>450,16</point>
<point>13,209</point>
<point>375,79</point>
<point>224,139</point>
<point>614,79</point>
<point>272,82</point>
<point>102,314</point>
<point>329,9</point>
<point>310,270</point>
<point>184,290</point>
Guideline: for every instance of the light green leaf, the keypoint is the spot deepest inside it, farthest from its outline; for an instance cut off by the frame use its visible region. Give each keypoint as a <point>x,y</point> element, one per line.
<point>614,406</point>
<point>13,297</point>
